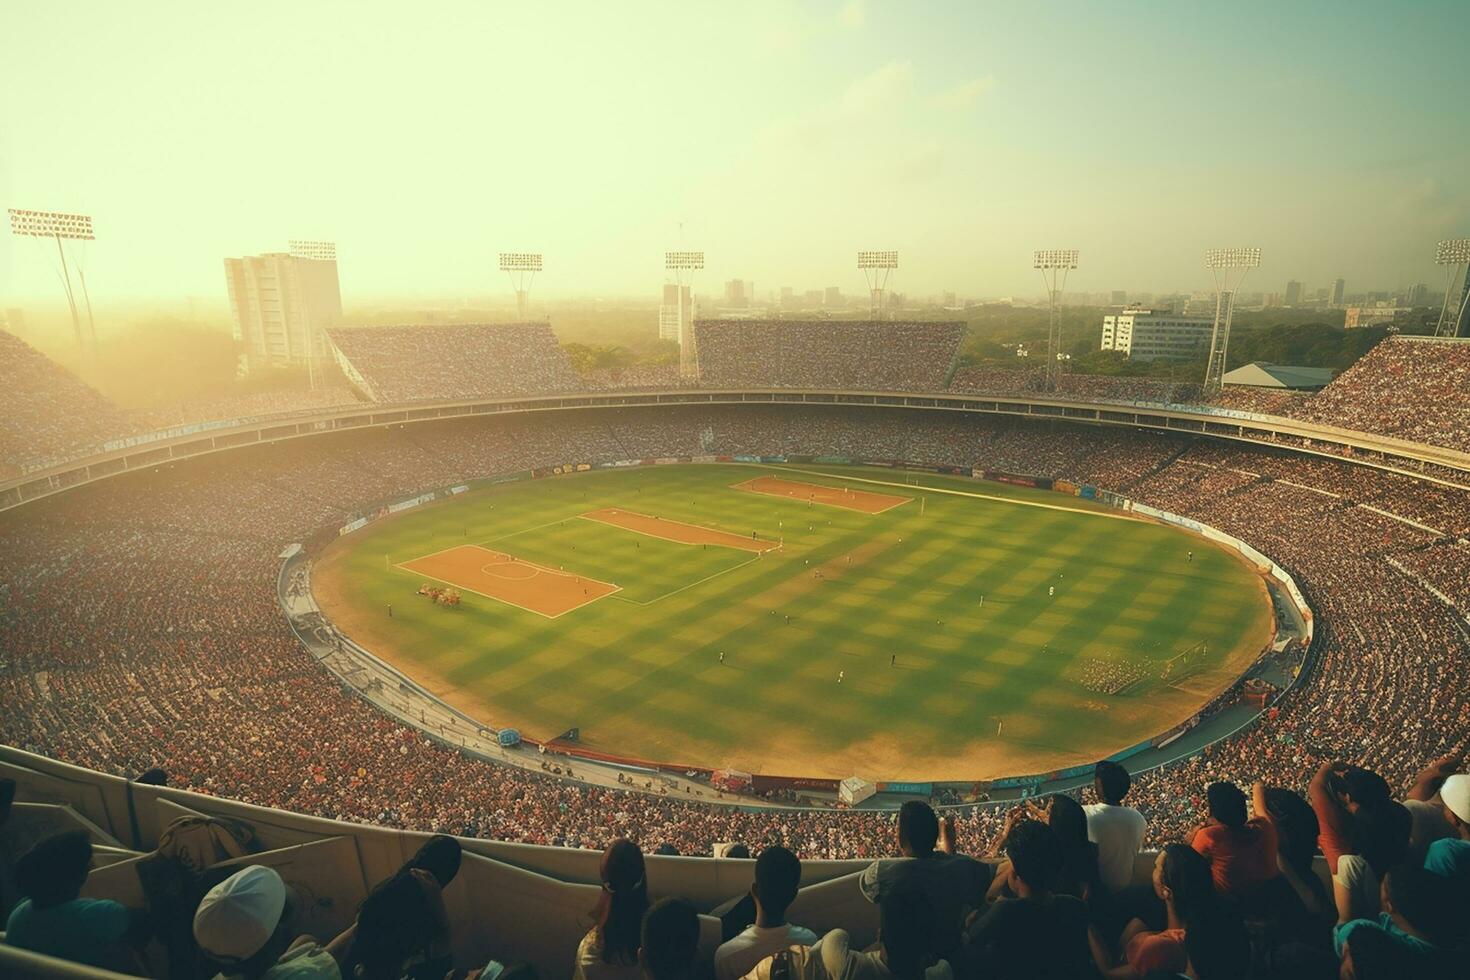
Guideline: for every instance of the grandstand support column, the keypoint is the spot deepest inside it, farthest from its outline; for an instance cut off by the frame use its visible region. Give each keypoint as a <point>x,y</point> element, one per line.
<point>1222,263</point>
<point>1054,264</point>
<point>1454,255</point>
<point>683,265</point>
<point>521,267</point>
<point>876,268</point>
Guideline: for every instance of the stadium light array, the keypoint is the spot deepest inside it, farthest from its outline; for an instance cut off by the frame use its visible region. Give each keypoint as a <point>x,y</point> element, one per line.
<point>683,260</point>
<point>1232,258</point>
<point>877,260</point>
<point>520,261</point>
<point>51,224</point>
<point>1453,251</point>
<point>321,251</point>
<point>59,225</point>
<point>1054,258</point>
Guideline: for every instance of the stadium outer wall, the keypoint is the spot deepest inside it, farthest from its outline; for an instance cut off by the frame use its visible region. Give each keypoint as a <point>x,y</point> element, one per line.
<point>379,683</point>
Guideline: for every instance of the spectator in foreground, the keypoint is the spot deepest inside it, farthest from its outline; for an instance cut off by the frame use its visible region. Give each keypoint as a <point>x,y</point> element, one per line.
<point>1242,852</point>
<point>952,883</point>
<point>1182,880</point>
<point>906,928</point>
<point>1117,830</point>
<point>777,878</point>
<point>609,951</point>
<point>1038,933</point>
<point>1218,947</point>
<point>1296,847</point>
<point>402,930</point>
<point>53,919</point>
<point>242,926</point>
<point>1450,856</point>
<point>668,940</point>
<point>1423,917</point>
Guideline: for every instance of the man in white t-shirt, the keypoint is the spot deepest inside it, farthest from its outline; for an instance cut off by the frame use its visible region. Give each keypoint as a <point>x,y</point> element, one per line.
<point>1117,830</point>
<point>777,877</point>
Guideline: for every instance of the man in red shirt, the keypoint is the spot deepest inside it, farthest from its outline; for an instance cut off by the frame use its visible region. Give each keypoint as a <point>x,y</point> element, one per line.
<point>1241,852</point>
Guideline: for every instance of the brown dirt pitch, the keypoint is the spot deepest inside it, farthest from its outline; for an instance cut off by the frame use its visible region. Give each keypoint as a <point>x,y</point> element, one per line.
<point>865,501</point>
<point>678,531</point>
<point>505,578</point>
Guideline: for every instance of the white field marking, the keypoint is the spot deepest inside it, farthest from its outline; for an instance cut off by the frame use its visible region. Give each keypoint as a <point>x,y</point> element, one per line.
<point>743,486</point>
<point>707,578</point>
<point>774,545</point>
<point>524,530</point>
<point>959,493</point>
<point>506,602</point>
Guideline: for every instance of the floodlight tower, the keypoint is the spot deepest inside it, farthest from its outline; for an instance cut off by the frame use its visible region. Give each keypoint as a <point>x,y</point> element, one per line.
<point>683,265</point>
<point>877,267</point>
<point>522,268</point>
<point>1222,262</point>
<point>1054,264</point>
<point>1454,255</point>
<point>314,251</point>
<point>59,225</point>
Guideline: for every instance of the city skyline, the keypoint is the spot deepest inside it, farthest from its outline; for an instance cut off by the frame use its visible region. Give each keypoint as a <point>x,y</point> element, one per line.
<point>963,138</point>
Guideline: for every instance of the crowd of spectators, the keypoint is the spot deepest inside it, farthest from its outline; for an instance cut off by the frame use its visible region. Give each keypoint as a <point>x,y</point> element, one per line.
<point>884,355</point>
<point>246,408</point>
<point>455,361</point>
<point>46,412</point>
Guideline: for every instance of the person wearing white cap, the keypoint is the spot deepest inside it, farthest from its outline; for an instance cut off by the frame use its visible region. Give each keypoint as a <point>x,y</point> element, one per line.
<point>242,926</point>
<point>1450,856</point>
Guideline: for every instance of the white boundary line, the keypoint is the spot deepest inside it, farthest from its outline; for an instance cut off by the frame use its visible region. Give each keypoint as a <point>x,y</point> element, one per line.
<point>742,486</point>
<point>774,545</point>
<point>506,602</point>
<point>954,493</point>
<point>724,571</point>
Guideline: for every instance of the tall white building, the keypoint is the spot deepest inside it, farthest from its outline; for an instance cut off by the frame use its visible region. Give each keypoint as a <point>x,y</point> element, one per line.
<point>281,305</point>
<point>669,320</point>
<point>1149,336</point>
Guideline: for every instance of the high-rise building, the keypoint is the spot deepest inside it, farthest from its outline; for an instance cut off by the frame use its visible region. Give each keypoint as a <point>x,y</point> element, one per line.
<point>1119,297</point>
<point>788,298</point>
<point>1293,293</point>
<point>1417,295</point>
<point>282,305</point>
<point>832,296</point>
<point>1334,296</point>
<point>737,296</point>
<point>674,296</point>
<point>1148,336</point>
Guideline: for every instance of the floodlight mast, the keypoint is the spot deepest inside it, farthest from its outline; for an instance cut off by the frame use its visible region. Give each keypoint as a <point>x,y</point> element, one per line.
<point>1222,262</point>
<point>683,265</point>
<point>316,251</point>
<point>59,225</point>
<point>877,266</point>
<point>1454,255</point>
<point>1054,264</point>
<point>521,267</point>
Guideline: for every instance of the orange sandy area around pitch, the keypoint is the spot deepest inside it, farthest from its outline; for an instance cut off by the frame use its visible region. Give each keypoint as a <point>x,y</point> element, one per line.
<point>505,578</point>
<point>860,500</point>
<point>657,527</point>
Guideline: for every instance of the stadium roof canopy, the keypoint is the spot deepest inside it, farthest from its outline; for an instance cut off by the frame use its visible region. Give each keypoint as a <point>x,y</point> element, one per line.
<point>1259,374</point>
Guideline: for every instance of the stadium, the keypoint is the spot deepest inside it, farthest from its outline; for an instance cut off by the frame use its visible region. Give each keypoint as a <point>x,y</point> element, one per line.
<point>347,626</point>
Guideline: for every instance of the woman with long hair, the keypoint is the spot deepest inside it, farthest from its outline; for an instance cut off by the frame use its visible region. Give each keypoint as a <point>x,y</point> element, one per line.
<point>1183,882</point>
<point>609,951</point>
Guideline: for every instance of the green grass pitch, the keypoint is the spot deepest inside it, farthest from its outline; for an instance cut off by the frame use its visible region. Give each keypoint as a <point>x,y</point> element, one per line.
<point>980,688</point>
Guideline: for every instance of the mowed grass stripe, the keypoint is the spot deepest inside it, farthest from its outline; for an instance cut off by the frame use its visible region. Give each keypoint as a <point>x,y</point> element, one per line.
<point>645,680</point>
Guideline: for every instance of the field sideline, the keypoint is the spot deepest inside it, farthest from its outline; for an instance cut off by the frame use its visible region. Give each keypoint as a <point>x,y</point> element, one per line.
<point>638,669</point>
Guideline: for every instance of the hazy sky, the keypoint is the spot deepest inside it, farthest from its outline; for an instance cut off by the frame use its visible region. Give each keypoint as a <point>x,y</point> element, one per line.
<point>424,137</point>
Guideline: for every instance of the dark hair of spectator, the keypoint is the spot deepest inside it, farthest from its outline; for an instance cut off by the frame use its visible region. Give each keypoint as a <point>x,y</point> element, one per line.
<point>918,827</point>
<point>440,856</point>
<point>1218,945</point>
<point>1227,803</point>
<point>54,870</point>
<point>619,913</point>
<point>1381,834</point>
<point>1112,782</point>
<point>1034,852</point>
<point>906,930</point>
<point>777,878</point>
<point>1296,827</point>
<point>1187,876</point>
<point>669,938</point>
<point>395,923</point>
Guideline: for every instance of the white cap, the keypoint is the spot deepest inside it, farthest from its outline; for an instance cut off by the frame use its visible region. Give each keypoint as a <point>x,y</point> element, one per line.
<point>240,914</point>
<point>1456,795</point>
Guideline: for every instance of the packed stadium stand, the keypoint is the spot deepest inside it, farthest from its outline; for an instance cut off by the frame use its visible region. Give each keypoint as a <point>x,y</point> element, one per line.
<point>46,412</point>
<point>1413,388</point>
<point>141,631</point>
<point>476,360</point>
<point>875,355</point>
